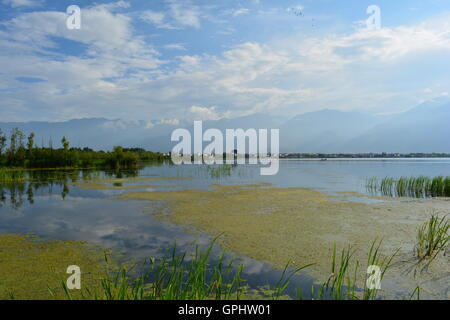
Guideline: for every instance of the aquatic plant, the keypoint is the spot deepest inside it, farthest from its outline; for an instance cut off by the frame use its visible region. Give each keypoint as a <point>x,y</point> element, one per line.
<point>432,237</point>
<point>285,278</point>
<point>179,276</point>
<point>32,266</point>
<point>375,258</point>
<point>174,277</point>
<point>12,175</point>
<point>418,187</point>
<point>219,171</point>
<point>342,283</point>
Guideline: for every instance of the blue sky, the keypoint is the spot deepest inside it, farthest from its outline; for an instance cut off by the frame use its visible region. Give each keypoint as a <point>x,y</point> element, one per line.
<point>178,60</point>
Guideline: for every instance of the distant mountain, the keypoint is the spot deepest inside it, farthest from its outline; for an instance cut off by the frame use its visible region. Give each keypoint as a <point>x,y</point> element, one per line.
<point>424,128</point>
<point>104,134</point>
<point>325,131</point>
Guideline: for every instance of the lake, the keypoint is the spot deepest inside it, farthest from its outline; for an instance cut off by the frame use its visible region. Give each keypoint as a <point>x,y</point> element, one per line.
<point>56,204</point>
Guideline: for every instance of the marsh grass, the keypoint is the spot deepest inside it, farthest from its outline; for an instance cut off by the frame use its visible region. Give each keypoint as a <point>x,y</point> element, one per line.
<point>418,187</point>
<point>343,281</point>
<point>12,175</point>
<point>341,284</point>
<point>220,171</point>
<point>174,277</point>
<point>285,279</point>
<point>432,237</point>
<point>179,276</point>
<point>375,258</point>
<point>415,293</point>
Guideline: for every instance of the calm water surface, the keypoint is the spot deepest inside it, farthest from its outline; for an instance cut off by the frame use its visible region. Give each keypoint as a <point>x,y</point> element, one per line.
<point>52,207</point>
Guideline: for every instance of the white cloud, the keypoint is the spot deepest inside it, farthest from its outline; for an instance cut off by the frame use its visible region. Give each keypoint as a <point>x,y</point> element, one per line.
<point>175,46</point>
<point>171,122</point>
<point>122,75</point>
<point>204,113</point>
<point>394,43</point>
<point>159,19</point>
<point>240,11</point>
<point>297,8</point>
<point>179,14</point>
<point>22,3</point>
<point>115,124</point>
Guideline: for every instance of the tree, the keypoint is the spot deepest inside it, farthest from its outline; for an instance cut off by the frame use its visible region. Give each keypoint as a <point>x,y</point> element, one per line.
<point>16,150</point>
<point>30,144</point>
<point>65,143</point>
<point>16,140</point>
<point>3,140</point>
<point>118,150</point>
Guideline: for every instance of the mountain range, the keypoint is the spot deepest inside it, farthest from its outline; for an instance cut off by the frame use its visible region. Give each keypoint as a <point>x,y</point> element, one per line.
<point>424,128</point>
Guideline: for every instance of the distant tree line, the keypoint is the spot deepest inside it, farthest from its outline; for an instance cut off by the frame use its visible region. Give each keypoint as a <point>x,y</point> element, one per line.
<point>362,155</point>
<point>17,150</point>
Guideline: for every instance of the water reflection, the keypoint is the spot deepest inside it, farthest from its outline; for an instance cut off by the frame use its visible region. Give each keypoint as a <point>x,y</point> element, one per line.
<point>49,204</point>
<point>23,186</point>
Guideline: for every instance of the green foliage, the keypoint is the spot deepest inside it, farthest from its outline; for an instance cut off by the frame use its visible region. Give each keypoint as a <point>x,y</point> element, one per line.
<point>418,187</point>
<point>174,277</point>
<point>342,283</point>
<point>3,140</point>
<point>20,156</point>
<point>432,237</point>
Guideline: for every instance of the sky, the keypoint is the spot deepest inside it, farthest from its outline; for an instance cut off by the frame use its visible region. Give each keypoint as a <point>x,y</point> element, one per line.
<point>172,60</point>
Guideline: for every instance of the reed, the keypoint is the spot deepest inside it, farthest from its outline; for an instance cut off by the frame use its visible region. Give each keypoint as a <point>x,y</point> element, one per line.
<point>342,283</point>
<point>175,277</point>
<point>418,187</point>
<point>375,258</point>
<point>432,237</point>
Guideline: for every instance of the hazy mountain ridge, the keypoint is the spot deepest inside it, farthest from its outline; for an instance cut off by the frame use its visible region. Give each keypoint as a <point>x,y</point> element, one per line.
<point>424,128</point>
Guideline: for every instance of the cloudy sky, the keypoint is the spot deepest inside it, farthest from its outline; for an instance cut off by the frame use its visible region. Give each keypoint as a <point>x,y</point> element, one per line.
<point>207,59</point>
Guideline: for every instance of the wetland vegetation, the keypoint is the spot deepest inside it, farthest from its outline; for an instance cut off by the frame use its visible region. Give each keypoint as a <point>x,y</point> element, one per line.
<point>418,187</point>
<point>175,276</point>
<point>299,230</point>
<point>16,151</point>
<point>433,237</point>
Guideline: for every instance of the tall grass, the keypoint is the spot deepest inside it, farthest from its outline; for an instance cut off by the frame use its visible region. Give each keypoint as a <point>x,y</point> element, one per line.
<point>432,237</point>
<point>175,277</point>
<point>341,285</point>
<point>343,281</point>
<point>418,187</point>
<point>375,258</point>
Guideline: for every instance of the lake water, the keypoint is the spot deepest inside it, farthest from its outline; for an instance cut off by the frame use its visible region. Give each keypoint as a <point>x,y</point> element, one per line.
<point>52,207</point>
